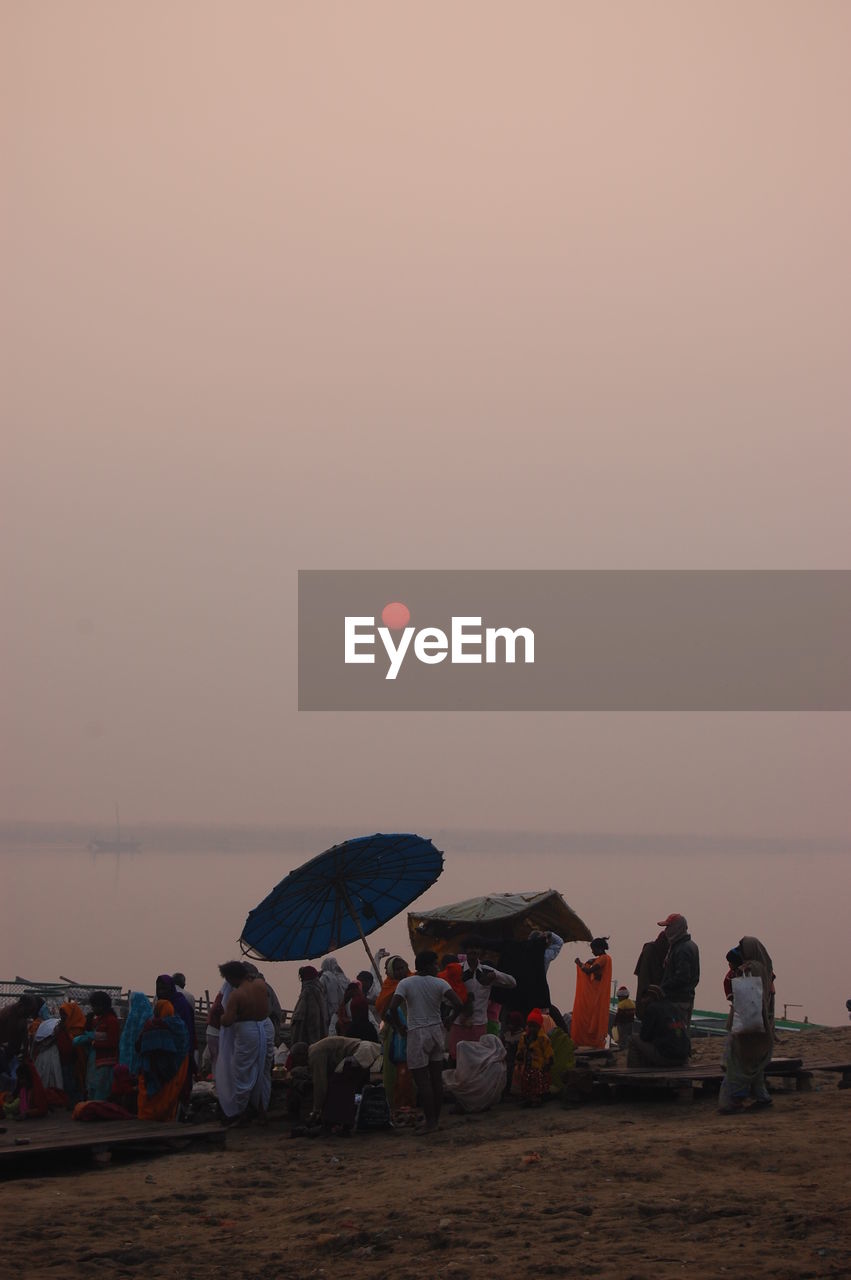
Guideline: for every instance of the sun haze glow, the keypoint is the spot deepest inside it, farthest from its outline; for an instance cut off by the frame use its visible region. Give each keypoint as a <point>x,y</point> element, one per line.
<point>395,615</point>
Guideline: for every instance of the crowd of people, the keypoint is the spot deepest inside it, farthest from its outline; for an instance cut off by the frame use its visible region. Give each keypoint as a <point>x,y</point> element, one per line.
<point>479,1022</point>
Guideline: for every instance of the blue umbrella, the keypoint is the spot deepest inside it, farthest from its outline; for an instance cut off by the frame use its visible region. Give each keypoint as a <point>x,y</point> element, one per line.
<point>345,893</point>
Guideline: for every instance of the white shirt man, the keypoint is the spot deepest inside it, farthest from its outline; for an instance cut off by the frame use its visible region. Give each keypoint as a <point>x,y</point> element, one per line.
<point>424,994</point>
<point>478,978</point>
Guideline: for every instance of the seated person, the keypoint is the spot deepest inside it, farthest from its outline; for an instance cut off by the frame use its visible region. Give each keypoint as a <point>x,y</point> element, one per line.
<point>663,1040</point>
<point>623,1019</point>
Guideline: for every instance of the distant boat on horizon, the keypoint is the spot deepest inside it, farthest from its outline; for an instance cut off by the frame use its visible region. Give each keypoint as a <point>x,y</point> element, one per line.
<point>116,845</point>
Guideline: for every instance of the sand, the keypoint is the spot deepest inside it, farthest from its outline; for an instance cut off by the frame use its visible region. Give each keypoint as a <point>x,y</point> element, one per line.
<point>628,1189</point>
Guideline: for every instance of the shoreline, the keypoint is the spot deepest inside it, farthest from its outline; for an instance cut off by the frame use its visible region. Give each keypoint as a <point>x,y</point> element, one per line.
<point>634,1189</point>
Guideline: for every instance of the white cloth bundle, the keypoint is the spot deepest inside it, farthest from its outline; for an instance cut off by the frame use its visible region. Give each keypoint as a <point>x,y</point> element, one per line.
<point>747,1005</point>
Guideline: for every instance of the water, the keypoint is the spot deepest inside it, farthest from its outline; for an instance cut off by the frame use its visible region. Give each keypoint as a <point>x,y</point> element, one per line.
<point>102,918</point>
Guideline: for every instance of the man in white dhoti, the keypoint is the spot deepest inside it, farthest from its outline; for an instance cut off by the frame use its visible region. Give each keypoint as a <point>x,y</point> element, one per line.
<point>246,1045</point>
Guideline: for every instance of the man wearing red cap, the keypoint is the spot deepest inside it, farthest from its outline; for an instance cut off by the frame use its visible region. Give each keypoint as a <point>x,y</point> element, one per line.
<point>681,973</point>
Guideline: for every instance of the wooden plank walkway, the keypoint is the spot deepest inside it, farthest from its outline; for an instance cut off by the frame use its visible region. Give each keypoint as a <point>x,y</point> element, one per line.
<point>699,1072</point>
<point>686,1079</point>
<point>58,1132</point>
<point>842,1069</point>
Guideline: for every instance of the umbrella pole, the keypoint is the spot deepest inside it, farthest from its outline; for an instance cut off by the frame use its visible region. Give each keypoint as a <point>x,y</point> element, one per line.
<point>351,909</point>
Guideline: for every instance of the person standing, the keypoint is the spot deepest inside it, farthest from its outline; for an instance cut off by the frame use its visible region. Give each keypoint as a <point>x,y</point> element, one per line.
<point>589,1024</point>
<point>310,1015</point>
<point>353,1018</point>
<point>370,987</point>
<point>423,994</point>
<point>335,984</point>
<point>214,1030</point>
<point>554,945</point>
<point>180,982</point>
<point>105,1035</point>
<point>734,960</point>
<point>166,989</point>
<point>72,1022</point>
<point>184,996</point>
<point>681,972</point>
<point>526,961</point>
<point>246,1045</point>
<point>533,1062</point>
<point>276,1013</point>
<point>748,1053</point>
<point>477,979</point>
<point>649,969</point>
<point>163,1049</point>
<point>398,1084</point>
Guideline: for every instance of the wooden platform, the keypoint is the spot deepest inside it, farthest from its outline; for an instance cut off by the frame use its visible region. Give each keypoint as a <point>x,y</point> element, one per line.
<point>596,1055</point>
<point>842,1069</point>
<point>688,1078</point>
<point>58,1132</point>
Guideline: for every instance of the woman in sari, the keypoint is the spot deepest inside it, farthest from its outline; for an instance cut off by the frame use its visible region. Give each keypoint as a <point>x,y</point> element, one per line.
<point>398,1083</point>
<point>462,1027</point>
<point>589,1026</point>
<point>72,1022</point>
<point>139,1011</point>
<point>104,1036</point>
<point>163,1049</point>
<point>353,1018</point>
<point>166,989</point>
<point>45,1054</point>
<point>748,1053</point>
<point>343,1016</point>
<point>335,985</point>
<point>310,1015</point>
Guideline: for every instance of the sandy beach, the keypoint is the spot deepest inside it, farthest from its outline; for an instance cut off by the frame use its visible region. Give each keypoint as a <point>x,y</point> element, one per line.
<point>425,480</point>
<point>633,1189</point>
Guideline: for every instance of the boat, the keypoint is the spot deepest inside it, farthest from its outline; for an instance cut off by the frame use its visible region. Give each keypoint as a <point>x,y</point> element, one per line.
<point>116,845</point>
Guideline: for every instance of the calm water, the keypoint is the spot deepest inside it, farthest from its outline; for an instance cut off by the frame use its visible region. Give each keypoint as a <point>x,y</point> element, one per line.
<point>97,918</point>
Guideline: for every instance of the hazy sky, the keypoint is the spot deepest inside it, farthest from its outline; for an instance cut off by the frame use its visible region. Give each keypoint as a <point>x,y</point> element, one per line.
<point>377,285</point>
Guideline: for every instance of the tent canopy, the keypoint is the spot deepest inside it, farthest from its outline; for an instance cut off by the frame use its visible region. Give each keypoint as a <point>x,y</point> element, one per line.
<point>497,915</point>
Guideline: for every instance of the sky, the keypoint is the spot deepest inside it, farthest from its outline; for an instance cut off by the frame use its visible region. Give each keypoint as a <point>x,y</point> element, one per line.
<point>289,286</point>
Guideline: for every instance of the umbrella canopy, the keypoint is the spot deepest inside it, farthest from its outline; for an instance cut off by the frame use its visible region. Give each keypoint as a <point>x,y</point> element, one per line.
<point>346,893</point>
<point>497,915</point>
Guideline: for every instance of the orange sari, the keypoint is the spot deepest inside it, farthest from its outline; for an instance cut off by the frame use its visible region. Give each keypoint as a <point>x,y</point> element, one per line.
<point>589,1026</point>
<point>385,995</point>
<point>398,1083</point>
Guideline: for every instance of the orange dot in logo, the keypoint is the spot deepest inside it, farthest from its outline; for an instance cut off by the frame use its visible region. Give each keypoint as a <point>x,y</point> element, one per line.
<point>396,616</point>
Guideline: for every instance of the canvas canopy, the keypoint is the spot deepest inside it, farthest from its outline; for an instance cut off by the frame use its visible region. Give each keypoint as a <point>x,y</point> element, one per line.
<point>496,915</point>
